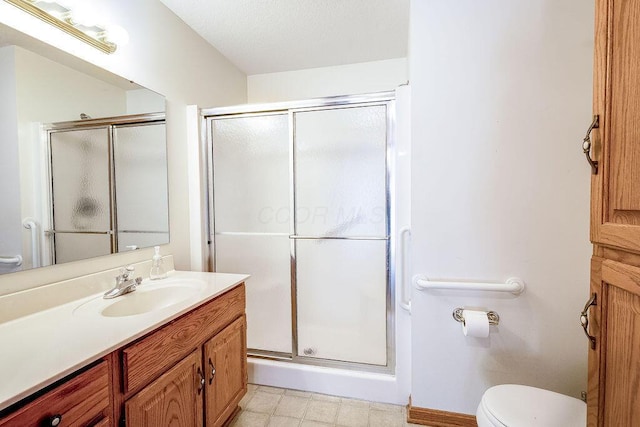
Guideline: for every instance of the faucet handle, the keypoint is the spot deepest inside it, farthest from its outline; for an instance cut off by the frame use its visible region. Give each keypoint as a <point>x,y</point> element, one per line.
<point>125,272</point>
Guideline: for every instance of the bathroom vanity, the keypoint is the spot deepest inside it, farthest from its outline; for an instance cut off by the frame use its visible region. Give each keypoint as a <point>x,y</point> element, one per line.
<point>173,352</point>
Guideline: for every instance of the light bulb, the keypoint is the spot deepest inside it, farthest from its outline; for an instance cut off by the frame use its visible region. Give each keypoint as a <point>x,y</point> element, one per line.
<point>116,34</point>
<point>84,15</point>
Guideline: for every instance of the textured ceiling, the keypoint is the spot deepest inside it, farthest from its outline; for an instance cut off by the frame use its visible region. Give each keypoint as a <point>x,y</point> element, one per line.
<point>264,36</point>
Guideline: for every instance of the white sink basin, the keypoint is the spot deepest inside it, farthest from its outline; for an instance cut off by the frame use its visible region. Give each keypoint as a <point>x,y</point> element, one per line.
<point>148,297</point>
<point>146,301</point>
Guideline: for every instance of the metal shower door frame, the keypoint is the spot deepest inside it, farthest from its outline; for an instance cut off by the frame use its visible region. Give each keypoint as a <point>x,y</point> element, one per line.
<point>110,124</point>
<point>386,99</point>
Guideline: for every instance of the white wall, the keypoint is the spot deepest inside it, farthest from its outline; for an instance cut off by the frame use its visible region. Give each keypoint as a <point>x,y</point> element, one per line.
<point>143,101</point>
<point>10,244</point>
<point>166,56</point>
<point>365,77</point>
<point>501,97</point>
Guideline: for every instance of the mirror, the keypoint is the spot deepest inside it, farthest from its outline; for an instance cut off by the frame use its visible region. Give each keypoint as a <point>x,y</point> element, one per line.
<point>83,164</point>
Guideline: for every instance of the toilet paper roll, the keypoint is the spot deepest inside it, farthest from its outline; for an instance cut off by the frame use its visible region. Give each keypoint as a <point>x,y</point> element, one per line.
<point>476,323</point>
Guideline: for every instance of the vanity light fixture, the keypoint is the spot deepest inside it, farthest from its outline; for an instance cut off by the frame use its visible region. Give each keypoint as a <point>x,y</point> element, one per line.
<point>62,18</point>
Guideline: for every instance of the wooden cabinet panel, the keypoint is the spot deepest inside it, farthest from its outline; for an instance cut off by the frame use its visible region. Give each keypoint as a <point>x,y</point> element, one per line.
<point>79,401</point>
<point>616,188</point>
<point>153,354</point>
<point>225,359</point>
<point>174,399</point>
<point>624,114</point>
<point>616,359</point>
<point>622,384</point>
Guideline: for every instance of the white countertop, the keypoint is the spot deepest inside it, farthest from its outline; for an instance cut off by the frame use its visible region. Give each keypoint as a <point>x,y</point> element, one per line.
<point>43,347</point>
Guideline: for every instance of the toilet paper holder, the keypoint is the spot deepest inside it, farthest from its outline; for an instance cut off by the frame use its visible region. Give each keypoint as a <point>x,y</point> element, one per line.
<point>494,318</point>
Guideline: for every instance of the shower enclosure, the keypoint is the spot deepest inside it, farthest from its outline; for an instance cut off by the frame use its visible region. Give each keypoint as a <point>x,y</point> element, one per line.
<point>108,186</point>
<point>300,200</point>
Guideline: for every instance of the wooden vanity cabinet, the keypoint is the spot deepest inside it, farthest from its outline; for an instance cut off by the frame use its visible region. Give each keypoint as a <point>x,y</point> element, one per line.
<point>83,400</point>
<point>191,372</point>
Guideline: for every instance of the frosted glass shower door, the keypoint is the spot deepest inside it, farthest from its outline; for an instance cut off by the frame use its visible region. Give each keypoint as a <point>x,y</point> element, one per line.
<point>81,194</point>
<point>140,165</point>
<point>341,233</point>
<point>252,220</point>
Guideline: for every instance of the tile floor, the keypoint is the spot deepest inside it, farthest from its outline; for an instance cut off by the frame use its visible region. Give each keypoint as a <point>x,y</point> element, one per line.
<point>276,407</point>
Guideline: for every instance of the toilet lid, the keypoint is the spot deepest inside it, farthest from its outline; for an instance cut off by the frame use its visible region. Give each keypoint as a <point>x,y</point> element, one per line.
<point>522,406</point>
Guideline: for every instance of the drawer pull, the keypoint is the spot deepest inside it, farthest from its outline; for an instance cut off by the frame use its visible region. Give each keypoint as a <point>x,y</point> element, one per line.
<point>213,371</point>
<point>201,382</point>
<point>586,145</point>
<point>55,420</point>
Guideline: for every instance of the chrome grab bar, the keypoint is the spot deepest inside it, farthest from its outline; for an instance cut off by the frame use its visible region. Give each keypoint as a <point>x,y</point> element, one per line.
<point>513,285</point>
<point>405,303</point>
<point>17,260</point>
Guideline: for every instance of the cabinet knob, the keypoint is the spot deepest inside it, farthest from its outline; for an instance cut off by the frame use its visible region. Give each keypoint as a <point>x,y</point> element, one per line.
<point>55,420</point>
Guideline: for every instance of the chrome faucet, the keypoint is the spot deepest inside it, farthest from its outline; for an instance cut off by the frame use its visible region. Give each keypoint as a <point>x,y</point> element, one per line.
<point>124,284</point>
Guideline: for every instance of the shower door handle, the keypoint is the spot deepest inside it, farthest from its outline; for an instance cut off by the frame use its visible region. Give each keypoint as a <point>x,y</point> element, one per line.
<point>297,237</point>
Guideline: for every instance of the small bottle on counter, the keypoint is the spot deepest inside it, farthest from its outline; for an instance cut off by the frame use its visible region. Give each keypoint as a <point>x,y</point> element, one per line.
<point>157,269</point>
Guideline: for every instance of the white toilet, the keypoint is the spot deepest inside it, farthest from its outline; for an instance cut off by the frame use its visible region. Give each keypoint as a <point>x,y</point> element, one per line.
<point>511,405</point>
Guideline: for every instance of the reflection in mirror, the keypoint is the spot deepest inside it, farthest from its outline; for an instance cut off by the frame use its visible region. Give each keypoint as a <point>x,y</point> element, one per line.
<point>83,166</point>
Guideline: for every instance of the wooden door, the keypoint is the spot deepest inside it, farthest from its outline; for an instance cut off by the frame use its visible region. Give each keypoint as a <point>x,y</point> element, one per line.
<point>175,399</point>
<point>614,359</point>
<point>614,363</point>
<point>615,220</point>
<point>225,359</point>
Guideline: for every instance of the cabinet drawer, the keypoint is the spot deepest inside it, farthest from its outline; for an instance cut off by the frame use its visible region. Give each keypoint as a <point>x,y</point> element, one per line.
<point>153,354</point>
<point>79,401</point>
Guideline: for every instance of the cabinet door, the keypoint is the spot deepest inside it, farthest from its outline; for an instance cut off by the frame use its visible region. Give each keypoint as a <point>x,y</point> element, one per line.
<point>174,399</point>
<point>614,374</point>
<point>616,188</point>
<point>225,358</point>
